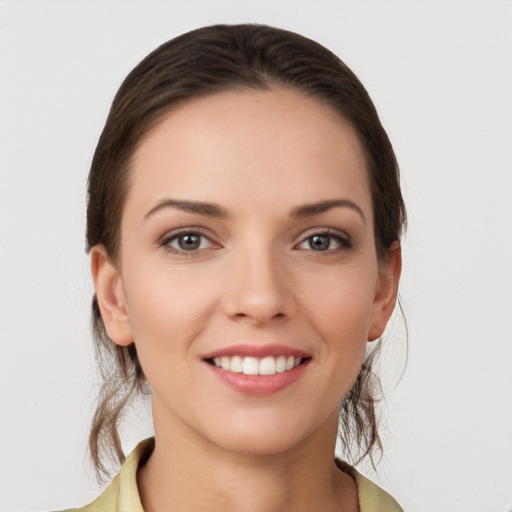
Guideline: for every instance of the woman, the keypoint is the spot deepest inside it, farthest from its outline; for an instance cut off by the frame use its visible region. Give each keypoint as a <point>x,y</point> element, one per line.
<point>244,222</point>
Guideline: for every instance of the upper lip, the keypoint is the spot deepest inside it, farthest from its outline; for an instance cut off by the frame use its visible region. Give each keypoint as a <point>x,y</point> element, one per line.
<point>259,351</point>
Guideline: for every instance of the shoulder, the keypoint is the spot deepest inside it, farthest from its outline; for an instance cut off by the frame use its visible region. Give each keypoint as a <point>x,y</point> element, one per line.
<point>122,494</point>
<point>371,496</point>
<point>107,502</point>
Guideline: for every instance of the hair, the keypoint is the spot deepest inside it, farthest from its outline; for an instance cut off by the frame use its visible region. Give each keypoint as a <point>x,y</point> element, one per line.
<point>200,63</point>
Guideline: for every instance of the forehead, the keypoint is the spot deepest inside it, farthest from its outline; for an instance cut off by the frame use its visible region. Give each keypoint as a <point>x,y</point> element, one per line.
<point>278,143</point>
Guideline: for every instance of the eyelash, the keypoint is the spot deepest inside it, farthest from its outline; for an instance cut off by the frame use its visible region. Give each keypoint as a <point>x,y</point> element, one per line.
<point>343,241</point>
<point>166,241</point>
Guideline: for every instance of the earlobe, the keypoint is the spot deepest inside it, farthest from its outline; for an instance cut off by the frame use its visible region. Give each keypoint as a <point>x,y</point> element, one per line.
<point>386,293</point>
<point>111,299</point>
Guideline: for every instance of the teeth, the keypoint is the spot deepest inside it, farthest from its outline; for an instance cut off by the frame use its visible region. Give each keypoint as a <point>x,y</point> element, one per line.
<point>281,364</point>
<point>267,366</point>
<point>236,365</point>
<point>253,366</point>
<point>250,366</point>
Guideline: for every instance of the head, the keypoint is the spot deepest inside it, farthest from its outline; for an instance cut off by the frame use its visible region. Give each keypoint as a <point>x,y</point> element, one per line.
<point>198,65</point>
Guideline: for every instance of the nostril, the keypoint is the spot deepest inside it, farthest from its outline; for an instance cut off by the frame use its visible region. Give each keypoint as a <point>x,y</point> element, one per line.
<point>259,300</point>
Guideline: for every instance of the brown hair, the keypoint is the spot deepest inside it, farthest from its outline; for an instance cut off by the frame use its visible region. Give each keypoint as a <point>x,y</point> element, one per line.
<point>198,63</point>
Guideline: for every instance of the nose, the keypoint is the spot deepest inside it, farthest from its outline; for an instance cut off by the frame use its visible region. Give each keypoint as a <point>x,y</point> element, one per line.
<point>258,288</point>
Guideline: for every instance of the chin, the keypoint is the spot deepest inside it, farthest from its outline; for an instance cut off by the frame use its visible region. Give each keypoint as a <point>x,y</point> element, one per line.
<point>260,444</point>
<point>271,436</point>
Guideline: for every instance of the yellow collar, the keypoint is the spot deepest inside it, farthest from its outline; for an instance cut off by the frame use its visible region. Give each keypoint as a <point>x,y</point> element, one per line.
<point>122,494</point>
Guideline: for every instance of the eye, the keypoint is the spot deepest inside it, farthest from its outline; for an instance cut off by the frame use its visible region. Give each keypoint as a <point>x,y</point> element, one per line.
<point>187,242</point>
<point>325,241</point>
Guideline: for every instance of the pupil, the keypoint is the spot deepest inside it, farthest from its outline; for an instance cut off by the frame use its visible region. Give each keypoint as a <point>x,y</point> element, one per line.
<point>320,242</point>
<point>189,242</point>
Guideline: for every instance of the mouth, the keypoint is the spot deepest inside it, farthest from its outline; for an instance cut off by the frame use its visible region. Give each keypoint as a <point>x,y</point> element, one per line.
<point>258,369</point>
<point>249,365</point>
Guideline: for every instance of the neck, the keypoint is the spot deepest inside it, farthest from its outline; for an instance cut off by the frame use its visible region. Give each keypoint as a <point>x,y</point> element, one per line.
<point>186,473</point>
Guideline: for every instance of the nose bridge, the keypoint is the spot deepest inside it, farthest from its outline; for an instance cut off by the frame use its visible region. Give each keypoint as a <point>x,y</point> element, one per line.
<point>257,288</point>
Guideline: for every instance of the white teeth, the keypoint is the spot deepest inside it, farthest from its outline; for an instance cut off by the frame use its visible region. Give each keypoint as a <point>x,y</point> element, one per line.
<point>250,366</point>
<point>253,366</point>
<point>236,365</point>
<point>267,366</point>
<point>281,364</point>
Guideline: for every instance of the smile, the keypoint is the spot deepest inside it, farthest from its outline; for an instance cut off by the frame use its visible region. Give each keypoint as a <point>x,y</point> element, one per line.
<point>258,369</point>
<point>247,365</point>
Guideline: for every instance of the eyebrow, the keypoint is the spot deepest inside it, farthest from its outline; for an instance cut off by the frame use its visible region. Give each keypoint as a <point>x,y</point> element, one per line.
<point>208,209</point>
<point>214,210</point>
<point>323,206</point>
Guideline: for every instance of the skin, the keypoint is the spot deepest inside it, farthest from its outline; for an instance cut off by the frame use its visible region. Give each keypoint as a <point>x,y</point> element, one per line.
<point>255,278</point>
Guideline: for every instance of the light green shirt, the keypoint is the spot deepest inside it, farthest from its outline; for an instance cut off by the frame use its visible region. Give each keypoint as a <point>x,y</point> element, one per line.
<point>122,494</point>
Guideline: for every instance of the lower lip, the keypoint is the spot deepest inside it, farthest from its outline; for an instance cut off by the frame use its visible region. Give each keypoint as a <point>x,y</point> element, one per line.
<point>259,385</point>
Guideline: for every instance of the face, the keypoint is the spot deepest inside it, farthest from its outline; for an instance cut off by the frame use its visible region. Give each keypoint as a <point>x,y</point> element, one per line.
<point>248,277</point>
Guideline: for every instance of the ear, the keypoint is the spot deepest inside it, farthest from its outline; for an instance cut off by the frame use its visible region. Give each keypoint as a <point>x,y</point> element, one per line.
<point>386,292</point>
<point>111,298</point>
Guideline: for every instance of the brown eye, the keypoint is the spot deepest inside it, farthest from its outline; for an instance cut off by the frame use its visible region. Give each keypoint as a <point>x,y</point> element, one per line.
<point>320,242</point>
<point>188,242</point>
<point>325,241</point>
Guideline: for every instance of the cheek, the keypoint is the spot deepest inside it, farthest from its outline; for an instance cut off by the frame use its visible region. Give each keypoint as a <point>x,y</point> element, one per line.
<point>167,305</point>
<point>166,313</point>
<point>342,299</point>
<point>341,313</point>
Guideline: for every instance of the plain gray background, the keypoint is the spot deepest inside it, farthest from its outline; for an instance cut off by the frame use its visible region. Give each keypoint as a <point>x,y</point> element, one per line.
<point>440,74</point>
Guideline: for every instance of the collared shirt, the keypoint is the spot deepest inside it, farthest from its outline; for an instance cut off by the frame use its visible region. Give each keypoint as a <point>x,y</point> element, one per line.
<point>122,494</point>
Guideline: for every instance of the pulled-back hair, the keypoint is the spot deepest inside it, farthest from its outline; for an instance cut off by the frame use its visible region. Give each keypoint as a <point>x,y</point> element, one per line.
<point>199,63</point>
